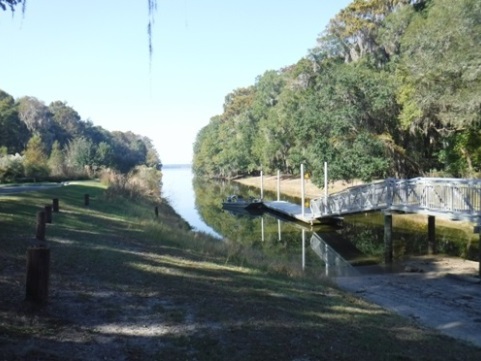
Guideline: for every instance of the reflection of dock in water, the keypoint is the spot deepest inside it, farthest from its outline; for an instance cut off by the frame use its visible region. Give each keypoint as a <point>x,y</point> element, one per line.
<point>339,255</point>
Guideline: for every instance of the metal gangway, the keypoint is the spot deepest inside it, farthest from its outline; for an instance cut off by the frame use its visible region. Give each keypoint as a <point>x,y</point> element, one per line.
<point>453,198</point>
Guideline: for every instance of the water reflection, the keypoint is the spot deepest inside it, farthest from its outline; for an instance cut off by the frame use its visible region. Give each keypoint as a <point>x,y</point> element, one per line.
<point>321,250</point>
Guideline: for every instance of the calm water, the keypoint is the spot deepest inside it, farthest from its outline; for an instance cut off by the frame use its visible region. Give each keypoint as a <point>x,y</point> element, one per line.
<point>177,188</point>
<point>352,248</point>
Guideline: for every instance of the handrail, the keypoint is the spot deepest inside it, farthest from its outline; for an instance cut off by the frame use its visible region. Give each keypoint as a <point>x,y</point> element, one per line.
<point>458,199</point>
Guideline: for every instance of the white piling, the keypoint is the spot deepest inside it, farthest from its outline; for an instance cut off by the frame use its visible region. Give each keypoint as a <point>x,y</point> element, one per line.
<point>302,190</point>
<point>325,181</point>
<point>262,186</point>
<point>278,185</point>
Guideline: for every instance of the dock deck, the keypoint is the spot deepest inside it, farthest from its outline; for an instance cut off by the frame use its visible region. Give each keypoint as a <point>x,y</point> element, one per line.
<point>291,210</point>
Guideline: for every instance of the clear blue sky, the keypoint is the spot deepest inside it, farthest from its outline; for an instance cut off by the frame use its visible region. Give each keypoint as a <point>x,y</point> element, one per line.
<point>94,56</point>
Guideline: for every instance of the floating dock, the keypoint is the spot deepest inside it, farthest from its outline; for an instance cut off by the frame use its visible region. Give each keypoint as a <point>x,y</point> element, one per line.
<point>292,210</point>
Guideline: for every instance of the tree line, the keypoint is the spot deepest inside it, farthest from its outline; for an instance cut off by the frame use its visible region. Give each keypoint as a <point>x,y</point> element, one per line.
<point>39,142</point>
<point>392,88</point>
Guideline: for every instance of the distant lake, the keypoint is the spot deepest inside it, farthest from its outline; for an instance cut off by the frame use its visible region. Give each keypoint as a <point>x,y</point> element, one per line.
<point>178,190</point>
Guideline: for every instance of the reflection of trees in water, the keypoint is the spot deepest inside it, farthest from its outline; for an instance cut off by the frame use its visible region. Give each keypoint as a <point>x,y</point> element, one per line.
<point>276,243</point>
<point>366,232</point>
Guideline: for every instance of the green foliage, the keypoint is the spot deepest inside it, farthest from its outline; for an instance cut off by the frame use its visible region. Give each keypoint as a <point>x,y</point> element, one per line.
<point>56,161</point>
<point>77,148</point>
<point>392,89</point>
<point>11,168</point>
<point>35,160</point>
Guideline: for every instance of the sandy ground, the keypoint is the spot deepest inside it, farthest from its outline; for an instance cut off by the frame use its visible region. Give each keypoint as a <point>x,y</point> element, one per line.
<point>439,292</point>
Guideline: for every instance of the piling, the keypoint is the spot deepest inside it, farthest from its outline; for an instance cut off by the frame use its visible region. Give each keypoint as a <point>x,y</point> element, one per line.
<point>86,200</point>
<point>55,205</point>
<point>432,246</point>
<point>40,230</point>
<point>388,248</point>
<point>37,278</point>
<point>48,213</point>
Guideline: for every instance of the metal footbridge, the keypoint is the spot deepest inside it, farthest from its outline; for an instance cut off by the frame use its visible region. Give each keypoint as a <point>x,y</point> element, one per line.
<point>452,198</point>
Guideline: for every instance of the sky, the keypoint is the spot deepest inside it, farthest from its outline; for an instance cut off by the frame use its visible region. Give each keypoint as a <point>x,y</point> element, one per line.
<point>94,56</point>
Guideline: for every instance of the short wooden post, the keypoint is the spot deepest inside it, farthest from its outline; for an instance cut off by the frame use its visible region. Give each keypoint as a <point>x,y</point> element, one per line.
<point>55,205</point>
<point>38,270</point>
<point>432,246</point>
<point>86,199</point>
<point>156,210</point>
<point>40,232</point>
<point>388,248</point>
<point>48,214</point>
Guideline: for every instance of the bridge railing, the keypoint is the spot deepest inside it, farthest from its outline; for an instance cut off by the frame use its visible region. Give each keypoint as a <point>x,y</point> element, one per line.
<point>451,197</point>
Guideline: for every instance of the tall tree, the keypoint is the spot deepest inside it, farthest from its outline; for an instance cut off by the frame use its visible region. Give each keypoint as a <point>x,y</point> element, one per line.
<point>13,133</point>
<point>35,159</point>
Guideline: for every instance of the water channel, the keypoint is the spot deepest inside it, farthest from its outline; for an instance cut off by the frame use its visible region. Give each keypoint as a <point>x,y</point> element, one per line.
<point>355,247</point>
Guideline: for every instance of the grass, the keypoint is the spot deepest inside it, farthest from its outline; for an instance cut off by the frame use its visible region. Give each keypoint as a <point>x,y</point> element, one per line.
<point>126,285</point>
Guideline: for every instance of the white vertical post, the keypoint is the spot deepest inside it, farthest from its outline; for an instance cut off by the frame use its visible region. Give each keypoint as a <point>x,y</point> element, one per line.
<point>262,229</point>
<point>279,229</point>
<point>302,190</point>
<point>325,181</point>
<point>262,186</point>
<point>303,249</point>
<point>278,185</point>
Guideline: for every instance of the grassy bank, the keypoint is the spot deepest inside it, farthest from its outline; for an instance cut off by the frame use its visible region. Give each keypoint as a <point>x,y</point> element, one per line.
<point>126,285</point>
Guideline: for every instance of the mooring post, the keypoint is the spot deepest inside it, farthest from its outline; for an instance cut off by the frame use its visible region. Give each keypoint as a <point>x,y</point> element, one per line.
<point>48,213</point>
<point>479,254</point>
<point>262,186</point>
<point>156,210</point>
<point>55,206</point>
<point>432,246</point>
<point>40,230</point>
<point>38,270</point>
<point>388,248</point>
<point>86,199</point>
<point>278,185</point>
<point>302,190</point>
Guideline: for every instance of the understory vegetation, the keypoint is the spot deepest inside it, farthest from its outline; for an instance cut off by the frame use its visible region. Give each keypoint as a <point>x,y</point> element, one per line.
<point>392,89</point>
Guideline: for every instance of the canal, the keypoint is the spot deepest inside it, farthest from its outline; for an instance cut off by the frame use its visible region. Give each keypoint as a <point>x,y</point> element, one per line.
<point>356,246</point>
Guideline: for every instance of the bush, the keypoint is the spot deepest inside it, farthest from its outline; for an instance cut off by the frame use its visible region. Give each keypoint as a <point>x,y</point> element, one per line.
<point>141,183</point>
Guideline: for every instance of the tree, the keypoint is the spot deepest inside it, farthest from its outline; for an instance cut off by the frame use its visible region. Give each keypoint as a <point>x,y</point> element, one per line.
<point>35,160</point>
<point>56,161</point>
<point>11,4</point>
<point>13,133</point>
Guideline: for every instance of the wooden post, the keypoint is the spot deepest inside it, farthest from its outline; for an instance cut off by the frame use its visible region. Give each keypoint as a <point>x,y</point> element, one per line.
<point>86,199</point>
<point>156,210</point>
<point>48,214</point>
<point>388,249</point>
<point>38,270</point>
<point>432,246</point>
<point>40,232</point>
<point>55,206</point>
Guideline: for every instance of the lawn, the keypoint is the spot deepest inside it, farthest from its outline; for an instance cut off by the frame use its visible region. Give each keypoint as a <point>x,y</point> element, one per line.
<point>127,285</point>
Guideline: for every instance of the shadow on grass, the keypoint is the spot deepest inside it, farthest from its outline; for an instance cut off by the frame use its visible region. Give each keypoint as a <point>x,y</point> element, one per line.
<point>118,293</point>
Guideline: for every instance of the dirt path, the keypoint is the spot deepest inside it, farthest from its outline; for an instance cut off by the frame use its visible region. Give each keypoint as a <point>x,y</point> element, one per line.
<point>438,292</point>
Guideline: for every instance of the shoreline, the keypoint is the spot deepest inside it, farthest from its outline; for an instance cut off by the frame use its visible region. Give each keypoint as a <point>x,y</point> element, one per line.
<point>291,185</point>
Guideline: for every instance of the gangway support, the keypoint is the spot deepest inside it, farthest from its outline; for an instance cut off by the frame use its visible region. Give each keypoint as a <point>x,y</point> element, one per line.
<point>388,248</point>
<point>432,246</point>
